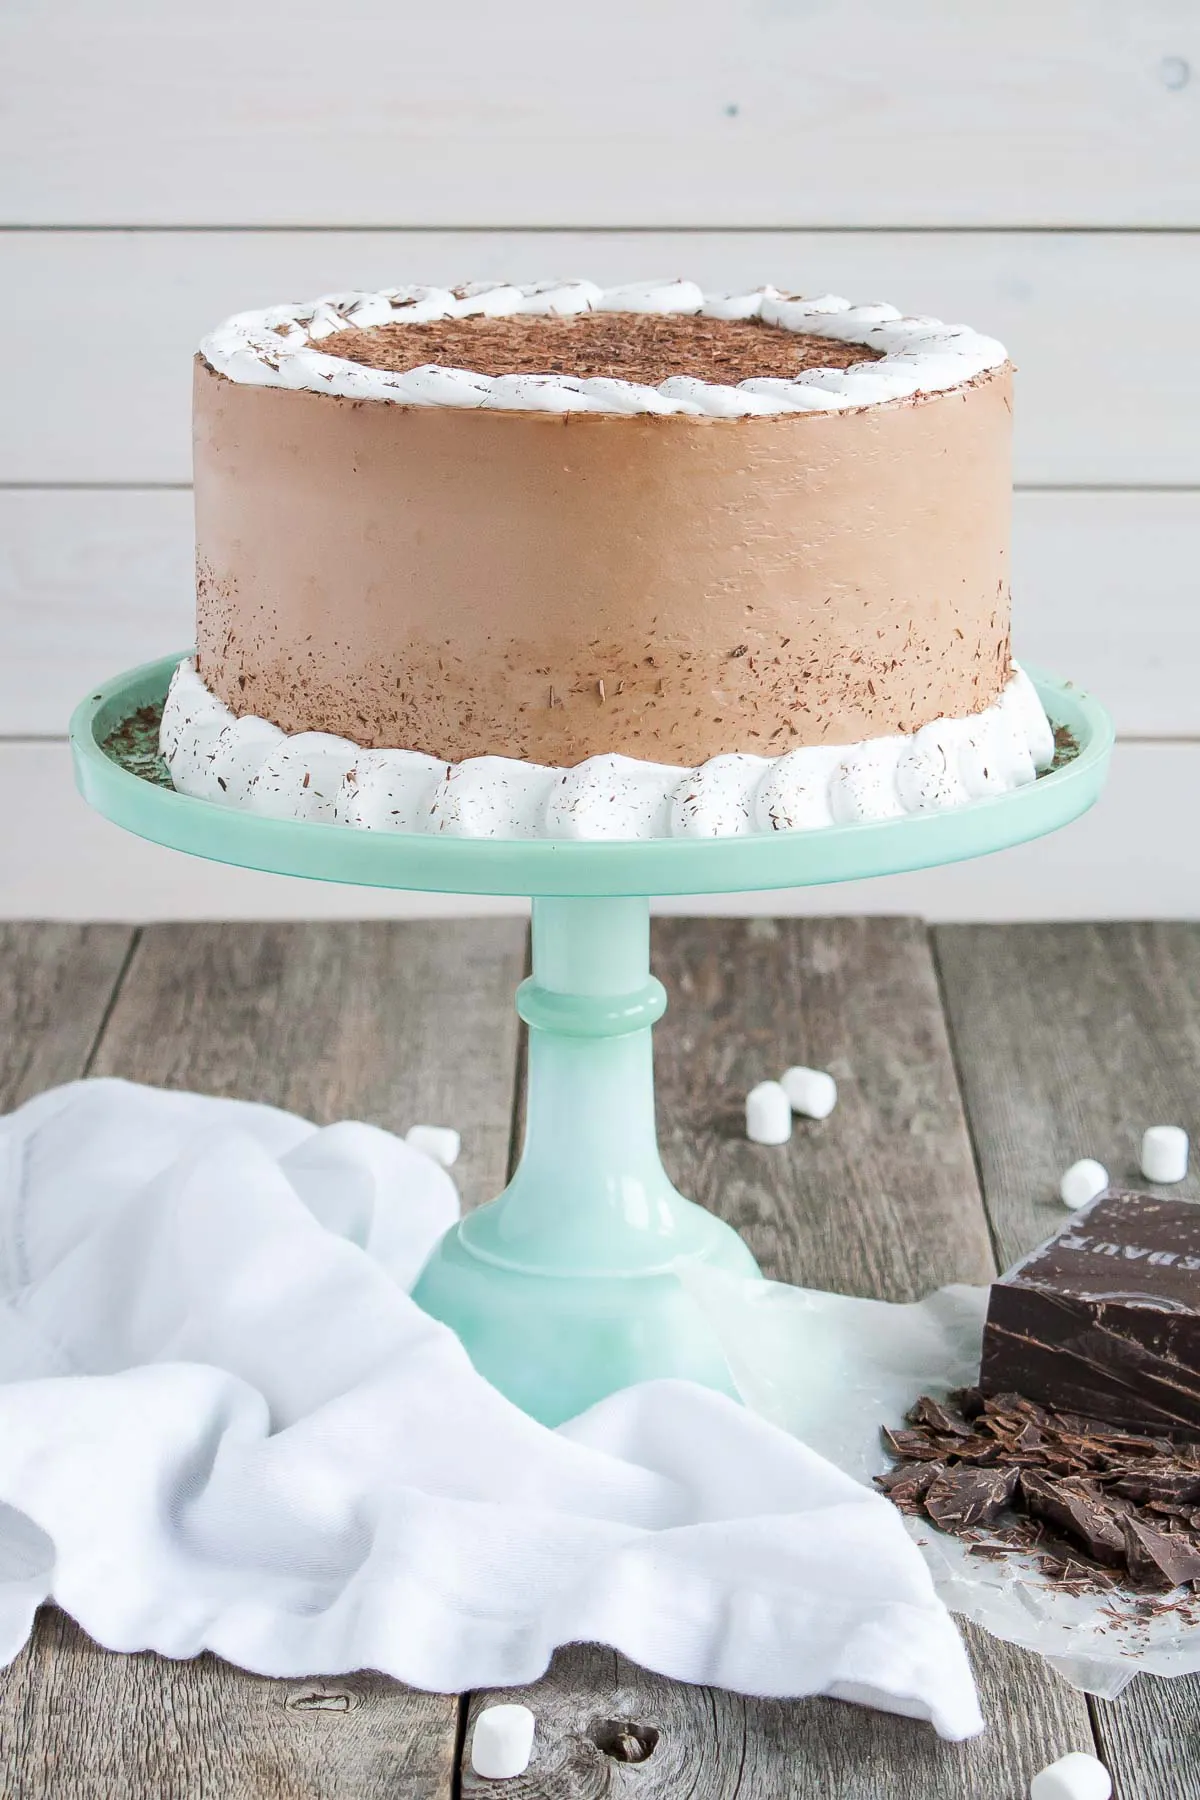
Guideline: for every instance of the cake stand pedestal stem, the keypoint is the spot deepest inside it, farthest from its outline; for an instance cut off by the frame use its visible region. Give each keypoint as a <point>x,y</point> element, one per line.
<point>567,1286</point>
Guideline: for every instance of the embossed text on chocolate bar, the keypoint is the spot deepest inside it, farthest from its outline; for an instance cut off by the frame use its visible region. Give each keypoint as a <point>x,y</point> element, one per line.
<point>1104,1318</point>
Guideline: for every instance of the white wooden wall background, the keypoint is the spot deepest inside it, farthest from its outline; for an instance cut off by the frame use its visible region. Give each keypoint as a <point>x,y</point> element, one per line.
<point>1032,169</point>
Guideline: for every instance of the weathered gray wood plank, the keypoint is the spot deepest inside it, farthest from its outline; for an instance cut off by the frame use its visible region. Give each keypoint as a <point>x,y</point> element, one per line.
<point>712,1745</point>
<point>95,1726</point>
<point>1070,1039</point>
<point>56,983</point>
<point>392,1023</point>
<point>881,1198</point>
<point>388,1022</point>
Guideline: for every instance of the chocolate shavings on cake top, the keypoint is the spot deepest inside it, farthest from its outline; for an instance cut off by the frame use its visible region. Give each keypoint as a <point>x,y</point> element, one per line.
<point>1098,1507</point>
<point>638,347</point>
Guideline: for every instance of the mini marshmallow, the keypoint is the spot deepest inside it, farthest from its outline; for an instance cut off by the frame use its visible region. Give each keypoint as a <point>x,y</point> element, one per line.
<point>441,1142</point>
<point>809,1091</point>
<point>502,1742</point>
<point>1074,1777</point>
<point>1164,1155</point>
<point>768,1114</point>
<point>1082,1182</point>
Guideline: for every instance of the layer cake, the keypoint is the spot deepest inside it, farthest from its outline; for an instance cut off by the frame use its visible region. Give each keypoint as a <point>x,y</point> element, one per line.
<point>616,538</point>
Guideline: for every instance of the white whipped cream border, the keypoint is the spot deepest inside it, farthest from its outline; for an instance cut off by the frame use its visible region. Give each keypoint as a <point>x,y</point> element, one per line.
<point>313,775</point>
<point>290,346</point>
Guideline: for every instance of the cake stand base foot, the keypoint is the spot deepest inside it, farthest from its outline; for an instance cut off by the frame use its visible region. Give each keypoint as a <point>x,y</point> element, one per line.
<point>555,1345</point>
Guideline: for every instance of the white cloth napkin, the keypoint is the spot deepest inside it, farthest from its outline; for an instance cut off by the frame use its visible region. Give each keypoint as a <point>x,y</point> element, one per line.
<point>225,1426</point>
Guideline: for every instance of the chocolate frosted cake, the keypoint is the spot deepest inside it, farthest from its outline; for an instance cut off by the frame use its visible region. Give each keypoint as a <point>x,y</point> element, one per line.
<point>558,561</point>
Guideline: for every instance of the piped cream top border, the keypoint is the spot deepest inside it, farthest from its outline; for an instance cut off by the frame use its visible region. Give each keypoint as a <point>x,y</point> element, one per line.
<point>294,346</point>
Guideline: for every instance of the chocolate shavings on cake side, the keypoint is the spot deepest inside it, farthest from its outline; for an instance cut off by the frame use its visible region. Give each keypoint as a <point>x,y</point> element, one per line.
<point>1099,1508</point>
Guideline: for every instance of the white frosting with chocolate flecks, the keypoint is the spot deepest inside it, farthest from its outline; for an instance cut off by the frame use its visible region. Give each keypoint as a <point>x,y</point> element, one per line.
<point>247,762</point>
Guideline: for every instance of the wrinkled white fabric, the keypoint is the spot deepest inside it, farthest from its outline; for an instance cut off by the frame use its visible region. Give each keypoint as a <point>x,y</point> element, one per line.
<point>225,1426</point>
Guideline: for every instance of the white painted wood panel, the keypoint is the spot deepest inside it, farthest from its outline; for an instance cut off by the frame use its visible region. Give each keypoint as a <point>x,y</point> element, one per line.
<point>783,112</point>
<point>1129,858</point>
<point>91,582</point>
<point>1106,592</point>
<point>99,327</point>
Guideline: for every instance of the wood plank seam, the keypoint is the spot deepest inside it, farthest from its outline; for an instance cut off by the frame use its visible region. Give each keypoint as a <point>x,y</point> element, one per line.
<point>113,998</point>
<point>460,1746</point>
<point>947,1015</point>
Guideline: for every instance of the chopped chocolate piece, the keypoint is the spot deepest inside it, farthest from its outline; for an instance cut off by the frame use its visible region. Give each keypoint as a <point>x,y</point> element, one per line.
<point>938,1417</point>
<point>1104,1319</point>
<point>1160,1558</point>
<point>907,1484</point>
<point>1077,1576</point>
<point>1070,1499</point>
<point>975,1449</point>
<point>912,1444</point>
<point>1079,1511</point>
<point>969,1402</point>
<point>961,1498</point>
<point>1160,1487</point>
<point>1010,1410</point>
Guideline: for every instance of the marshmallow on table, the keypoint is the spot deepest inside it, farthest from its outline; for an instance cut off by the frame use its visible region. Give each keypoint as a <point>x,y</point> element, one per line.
<point>768,1114</point>
<point>809,1091</point>
<point>1164,1155</point>
<point>441,1142</point>
<point>1082,1182</point>
<point>502,1742</point>
<point>1074,1777</point>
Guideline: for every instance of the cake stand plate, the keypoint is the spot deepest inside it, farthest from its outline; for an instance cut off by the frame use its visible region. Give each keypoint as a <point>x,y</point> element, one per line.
<point>566,1287</point>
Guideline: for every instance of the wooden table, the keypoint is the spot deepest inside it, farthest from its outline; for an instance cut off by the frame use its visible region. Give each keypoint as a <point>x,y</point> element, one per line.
<point>974,1063</point>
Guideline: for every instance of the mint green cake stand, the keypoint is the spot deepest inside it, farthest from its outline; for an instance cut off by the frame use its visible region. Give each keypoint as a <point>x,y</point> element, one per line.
<point>565,1288</point>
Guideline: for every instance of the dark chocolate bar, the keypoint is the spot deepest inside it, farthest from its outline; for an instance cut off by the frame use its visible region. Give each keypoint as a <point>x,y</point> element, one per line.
<point>1104,1318</point>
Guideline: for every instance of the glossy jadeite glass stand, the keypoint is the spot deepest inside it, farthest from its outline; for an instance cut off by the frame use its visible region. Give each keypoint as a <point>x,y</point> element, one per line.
<point>565,1287</point>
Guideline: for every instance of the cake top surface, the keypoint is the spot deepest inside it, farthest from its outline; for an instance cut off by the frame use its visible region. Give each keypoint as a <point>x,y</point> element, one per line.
<point>643,348</point>
<point>570,346</point>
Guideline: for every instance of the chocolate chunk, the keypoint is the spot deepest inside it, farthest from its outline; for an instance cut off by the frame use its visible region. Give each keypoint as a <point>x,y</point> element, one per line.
<point>907,1484</point>
<point>1104,1319</point>
<point>1079,1511</point>
<point>1159,1558</point>
<point>1067,1573</point>
<point>1163,1487</point>
<point>938,1417</point>
<point>961,1498</point>
<point>1095,1507</point>
<point>905,1444</point>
